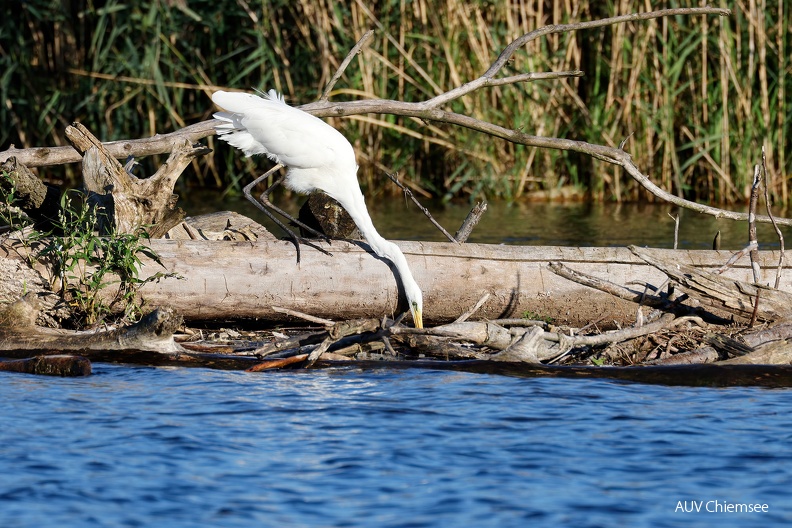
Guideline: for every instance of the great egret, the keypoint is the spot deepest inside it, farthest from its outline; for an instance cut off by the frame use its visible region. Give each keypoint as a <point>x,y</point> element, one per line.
<point>317,157</point>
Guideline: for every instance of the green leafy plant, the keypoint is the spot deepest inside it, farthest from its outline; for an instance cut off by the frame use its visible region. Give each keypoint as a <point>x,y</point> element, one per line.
<point>597,361</point>
<point>8,213</point>
<point>84,265</point>
<point>528,314</point>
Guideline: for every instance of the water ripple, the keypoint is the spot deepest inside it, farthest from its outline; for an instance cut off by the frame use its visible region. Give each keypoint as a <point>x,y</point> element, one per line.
<point>187,448</point>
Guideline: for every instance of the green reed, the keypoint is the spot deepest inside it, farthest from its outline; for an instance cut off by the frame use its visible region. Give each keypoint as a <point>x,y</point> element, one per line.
<point>697,96</point>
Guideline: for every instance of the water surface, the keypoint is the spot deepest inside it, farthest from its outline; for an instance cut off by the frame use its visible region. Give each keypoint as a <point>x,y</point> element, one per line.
<point>132,446</point>
<point>532,224</point>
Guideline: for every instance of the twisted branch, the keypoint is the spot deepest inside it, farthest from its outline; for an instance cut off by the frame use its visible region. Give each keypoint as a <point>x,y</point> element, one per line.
<point>430,110</point>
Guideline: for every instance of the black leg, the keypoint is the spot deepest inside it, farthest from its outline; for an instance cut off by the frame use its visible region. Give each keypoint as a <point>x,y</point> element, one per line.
<point>266,206</point>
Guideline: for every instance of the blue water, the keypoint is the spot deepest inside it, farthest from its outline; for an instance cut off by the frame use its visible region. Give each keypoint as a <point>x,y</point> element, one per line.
<point>132,446</point>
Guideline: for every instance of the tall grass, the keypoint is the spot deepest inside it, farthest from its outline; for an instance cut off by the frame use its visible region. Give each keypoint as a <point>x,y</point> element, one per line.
<point>697,96</point>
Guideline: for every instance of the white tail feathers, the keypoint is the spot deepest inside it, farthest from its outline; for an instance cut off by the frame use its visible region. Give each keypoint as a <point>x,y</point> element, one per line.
<point>239,103</point>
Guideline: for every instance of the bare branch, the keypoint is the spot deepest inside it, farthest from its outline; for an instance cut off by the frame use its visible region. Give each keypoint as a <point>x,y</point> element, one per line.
<point>408,193</point>
<point>157,144</point>
<point>465,316</point>
<point>752,240</point>
<point>534,76</point>
<point>470,222</point>
<point>518,43</point>
<point>354,51</point>
<point>429,111</point>
<point>772,219</point>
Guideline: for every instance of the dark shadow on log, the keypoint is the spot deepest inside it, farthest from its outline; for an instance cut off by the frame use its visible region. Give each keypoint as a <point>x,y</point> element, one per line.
<point>39,201</point>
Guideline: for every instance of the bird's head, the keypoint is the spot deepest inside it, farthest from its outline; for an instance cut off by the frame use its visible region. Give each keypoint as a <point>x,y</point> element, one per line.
<point>412,291</point>
<point>415,300</point>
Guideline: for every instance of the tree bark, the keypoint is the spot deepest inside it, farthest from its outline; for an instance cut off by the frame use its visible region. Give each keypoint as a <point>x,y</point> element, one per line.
<point>130,203</point>
<point>258,279</point>
<point>18,331</point>
<point>58,365</point>
<point>723,292</point>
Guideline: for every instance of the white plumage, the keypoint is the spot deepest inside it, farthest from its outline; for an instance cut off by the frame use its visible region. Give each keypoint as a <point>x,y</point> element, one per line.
<point>317,156</point>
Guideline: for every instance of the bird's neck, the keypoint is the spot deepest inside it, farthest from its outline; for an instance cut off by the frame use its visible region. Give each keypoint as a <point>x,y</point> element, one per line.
<point>355,205</point>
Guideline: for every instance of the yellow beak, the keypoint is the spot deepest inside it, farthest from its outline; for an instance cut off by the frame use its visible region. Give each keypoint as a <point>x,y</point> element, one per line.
<point>417,317</point>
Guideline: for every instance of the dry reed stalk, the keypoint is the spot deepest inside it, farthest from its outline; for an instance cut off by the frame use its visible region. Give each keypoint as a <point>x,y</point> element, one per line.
<point>423,45</point>
<point>783,57</point>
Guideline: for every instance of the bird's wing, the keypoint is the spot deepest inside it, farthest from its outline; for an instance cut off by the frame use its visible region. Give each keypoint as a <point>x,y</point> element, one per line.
<point>267,125</point>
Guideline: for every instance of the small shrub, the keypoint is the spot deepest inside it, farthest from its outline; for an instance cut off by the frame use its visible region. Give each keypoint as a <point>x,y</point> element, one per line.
<point>10,217</point>
<point>85,264</point>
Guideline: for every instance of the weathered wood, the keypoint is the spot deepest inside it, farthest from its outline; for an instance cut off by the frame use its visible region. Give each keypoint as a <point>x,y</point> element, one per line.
<point>422,345</point>
<point>128,201</point>
<point>709,375</point>
<point>480,333</point>
<point>271,364</point>
<point>122,149</point>
<point>726,293</point>
<point>531,347</point>
<point>133,356</point>
<point>39,201</point>
<point>18,279</point>
<point>705,354</point>
<point>224,280</point>
<point>246,279</point>
<point>154,332</point>
<point>57,365</point>
<point>772,353</point>
<point>470,222</point>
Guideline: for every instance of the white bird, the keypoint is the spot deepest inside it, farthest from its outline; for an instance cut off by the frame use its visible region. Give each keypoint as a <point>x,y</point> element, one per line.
<point>318,157</point>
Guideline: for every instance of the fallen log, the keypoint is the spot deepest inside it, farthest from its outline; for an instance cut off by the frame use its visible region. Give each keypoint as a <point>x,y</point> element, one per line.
<point>771,353</point>
<point>132,356</point>
<point>233,280</point>
<point>709,375</point>
<point>260,280</point>
<point>57,365</point>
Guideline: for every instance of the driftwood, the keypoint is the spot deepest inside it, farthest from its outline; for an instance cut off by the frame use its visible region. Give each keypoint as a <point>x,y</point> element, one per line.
<point>259,279</point>
<point>256,278</point>
<point>687,375</point>
<point>129,202</point>
<point>242,280</point>
<point>18,331</point>
<point>772,353</point>
<point>521,347</point>
<point>57,365</point>
<point>769,346</point>
<point>243,273</point>
<point>736,296</point>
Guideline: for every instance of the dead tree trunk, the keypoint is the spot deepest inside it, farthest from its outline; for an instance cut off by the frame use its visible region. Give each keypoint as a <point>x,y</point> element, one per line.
<point>129,202</point>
